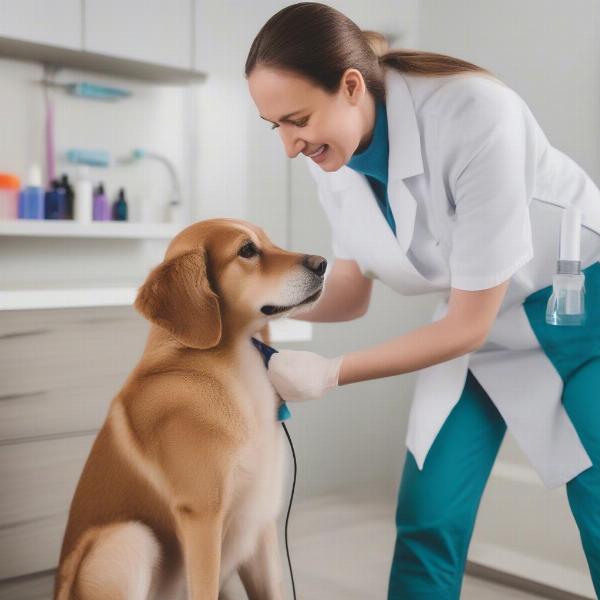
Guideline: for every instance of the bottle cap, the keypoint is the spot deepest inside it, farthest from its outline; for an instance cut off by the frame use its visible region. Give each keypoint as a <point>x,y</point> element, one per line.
<point>8,180</point>
<point>35,176</point>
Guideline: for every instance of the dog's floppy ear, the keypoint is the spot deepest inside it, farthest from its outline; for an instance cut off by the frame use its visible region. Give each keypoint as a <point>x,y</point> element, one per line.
<point>177,296</point>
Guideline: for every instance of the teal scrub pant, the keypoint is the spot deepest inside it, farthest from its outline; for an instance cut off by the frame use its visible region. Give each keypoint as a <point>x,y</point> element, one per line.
<point>437,506</point>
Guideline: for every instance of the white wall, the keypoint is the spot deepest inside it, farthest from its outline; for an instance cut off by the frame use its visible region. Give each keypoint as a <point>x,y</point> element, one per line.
<point>546,51</point>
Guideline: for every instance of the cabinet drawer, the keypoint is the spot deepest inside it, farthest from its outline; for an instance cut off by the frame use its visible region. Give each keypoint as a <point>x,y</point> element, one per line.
<point>38,482</point>
<point>59,369</point>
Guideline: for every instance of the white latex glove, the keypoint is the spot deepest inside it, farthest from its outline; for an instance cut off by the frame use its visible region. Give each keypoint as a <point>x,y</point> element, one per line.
<point>301,375</point>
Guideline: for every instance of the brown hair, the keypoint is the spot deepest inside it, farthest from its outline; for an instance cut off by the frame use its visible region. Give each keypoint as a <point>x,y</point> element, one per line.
<point>321,43</point>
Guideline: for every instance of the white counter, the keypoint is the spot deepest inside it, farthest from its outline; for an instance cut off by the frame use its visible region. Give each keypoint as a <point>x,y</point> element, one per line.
<point>282,330</point>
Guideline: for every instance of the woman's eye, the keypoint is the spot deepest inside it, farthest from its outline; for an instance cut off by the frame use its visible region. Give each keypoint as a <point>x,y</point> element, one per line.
<point>298,123</point>
<point>248,250</point>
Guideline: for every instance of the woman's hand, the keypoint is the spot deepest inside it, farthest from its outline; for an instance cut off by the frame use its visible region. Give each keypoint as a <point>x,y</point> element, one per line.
<point>300,375</point>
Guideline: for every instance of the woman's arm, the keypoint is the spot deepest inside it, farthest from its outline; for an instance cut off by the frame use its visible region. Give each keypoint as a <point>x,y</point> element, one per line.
<point>346,295</point>
<point>464,328</point>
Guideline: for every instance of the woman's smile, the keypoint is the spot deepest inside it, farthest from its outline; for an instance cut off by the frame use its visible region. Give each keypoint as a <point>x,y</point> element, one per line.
<point>319,154</point>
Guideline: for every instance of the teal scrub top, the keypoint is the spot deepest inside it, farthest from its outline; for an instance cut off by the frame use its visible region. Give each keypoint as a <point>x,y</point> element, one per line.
<point>372,162</point>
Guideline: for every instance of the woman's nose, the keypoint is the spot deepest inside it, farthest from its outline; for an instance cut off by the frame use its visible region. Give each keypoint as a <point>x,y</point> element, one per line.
<point>293,146</point>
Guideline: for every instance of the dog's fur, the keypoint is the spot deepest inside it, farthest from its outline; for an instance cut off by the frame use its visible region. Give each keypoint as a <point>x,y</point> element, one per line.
<point>184,481</point>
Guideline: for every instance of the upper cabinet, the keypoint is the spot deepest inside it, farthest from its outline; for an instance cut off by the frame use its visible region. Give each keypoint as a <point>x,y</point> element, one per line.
<point>154,31</point>
<point>145,39</point>
<point>52,22</point>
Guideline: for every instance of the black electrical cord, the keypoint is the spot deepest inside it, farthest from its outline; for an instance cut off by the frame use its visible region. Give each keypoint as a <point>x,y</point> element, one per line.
<point>267,352</point>
<point>290,508</point>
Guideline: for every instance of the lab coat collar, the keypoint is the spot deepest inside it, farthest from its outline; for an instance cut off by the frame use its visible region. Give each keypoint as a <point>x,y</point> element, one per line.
<point>405,140</point>
<point>405,159</point>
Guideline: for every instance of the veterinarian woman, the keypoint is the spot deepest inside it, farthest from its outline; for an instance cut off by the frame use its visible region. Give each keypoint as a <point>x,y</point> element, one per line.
<point>436,177</point>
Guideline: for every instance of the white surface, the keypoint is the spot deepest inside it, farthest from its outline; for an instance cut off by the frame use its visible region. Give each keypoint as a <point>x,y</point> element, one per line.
<point>282,330</point>
<point>65,298</point>
<point>95,229</point>
<point>57,23</point>
<point>147,30</point>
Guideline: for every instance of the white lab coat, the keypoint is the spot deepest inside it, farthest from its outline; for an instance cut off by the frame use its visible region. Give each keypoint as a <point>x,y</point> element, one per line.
<point>476,191</point>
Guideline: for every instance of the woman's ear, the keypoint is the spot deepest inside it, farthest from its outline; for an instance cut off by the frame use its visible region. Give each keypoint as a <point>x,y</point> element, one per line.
<point>353,85</point>
<point>177,297</point>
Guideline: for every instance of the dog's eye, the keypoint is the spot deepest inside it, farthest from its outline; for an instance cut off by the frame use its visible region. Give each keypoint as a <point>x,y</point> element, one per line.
<point>248,250</point>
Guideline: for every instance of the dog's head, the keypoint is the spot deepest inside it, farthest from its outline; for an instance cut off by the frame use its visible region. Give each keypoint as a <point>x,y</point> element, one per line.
<point>226,271</point>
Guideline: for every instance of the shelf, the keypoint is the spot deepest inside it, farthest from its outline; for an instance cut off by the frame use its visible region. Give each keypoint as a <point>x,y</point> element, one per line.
<point>282,330</point>
<point>95,229</point>
<point>99,63</point>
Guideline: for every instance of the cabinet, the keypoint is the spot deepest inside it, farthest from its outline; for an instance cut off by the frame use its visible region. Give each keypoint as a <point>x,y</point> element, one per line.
<point>59,370</point>
<point>152,31</point>
<point>145,39</point>
<point>56,22</point>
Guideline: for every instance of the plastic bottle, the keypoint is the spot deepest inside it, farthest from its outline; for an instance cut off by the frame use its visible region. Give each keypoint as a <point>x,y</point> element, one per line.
<point>69,196</point>
<point>566,305</point>
<point>101,210</point>
<point>9,196</point>
<point>55,201</point>
<point>32,197</point>
<point>120,207</point>
<point>83,197</point>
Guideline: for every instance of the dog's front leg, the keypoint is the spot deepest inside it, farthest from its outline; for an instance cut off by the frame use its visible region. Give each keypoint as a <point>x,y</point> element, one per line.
<point>261,573</point>
<point>197,463</point>
<point>201,541</point>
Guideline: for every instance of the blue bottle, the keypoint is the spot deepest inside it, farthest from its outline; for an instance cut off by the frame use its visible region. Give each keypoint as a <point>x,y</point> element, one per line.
<point>120,207</point>
<point>55,202</point>
<point>32,197</point>
<point>69,197</point>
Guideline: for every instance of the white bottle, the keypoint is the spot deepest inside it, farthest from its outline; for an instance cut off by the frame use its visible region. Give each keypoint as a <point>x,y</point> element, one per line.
<point>83,208</point>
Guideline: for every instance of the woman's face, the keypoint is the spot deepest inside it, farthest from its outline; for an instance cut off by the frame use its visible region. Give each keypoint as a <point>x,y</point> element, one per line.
<point>326,127</point>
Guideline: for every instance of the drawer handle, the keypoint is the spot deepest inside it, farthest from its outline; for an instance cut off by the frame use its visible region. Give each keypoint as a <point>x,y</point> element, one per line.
<point>6,336</point>
<point>23,395</point>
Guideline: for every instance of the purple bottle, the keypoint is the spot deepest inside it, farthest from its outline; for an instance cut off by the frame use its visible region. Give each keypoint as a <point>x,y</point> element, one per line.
<point>101,210</point>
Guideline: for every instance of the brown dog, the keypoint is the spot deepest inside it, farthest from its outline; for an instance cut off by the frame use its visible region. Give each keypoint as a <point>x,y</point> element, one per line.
<point>187,471</point>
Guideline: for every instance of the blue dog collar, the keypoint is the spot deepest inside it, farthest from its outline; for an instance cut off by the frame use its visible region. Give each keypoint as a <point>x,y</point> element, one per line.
<point>283,412</point>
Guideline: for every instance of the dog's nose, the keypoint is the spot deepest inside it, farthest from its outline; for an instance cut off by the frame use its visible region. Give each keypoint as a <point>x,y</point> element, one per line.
<point>317,264</point>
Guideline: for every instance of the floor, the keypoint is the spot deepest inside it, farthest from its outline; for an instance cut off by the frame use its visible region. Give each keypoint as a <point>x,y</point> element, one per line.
<point>341,546</point>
